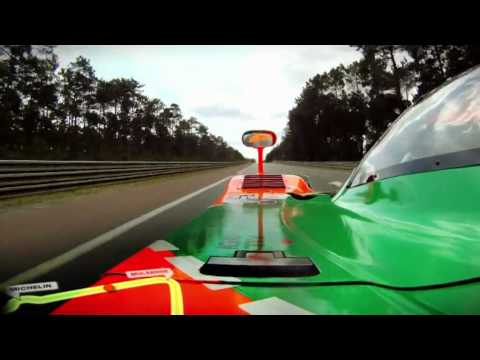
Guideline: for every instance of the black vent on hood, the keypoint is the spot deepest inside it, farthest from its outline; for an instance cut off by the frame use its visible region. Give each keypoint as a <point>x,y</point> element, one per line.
<point>259,264</point>
<point>263,181</point>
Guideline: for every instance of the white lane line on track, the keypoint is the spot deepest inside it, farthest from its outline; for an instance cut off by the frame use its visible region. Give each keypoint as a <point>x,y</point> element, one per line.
<point>273,306</point>
<point>241,172</point>
<point>81,249</point>
<point>336,183</point>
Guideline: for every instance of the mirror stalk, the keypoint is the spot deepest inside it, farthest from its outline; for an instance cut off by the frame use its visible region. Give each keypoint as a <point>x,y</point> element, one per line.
<point>260,160</point>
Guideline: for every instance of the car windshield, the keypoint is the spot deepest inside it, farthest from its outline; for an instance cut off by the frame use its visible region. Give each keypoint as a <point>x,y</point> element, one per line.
<point>447,122</point>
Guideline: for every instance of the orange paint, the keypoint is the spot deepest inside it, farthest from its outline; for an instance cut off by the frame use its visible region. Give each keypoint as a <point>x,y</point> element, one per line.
<point>293,184</point>
<point>153,299</point>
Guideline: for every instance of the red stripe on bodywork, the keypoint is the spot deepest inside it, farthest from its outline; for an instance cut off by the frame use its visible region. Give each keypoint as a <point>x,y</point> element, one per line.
<point>154,299</point>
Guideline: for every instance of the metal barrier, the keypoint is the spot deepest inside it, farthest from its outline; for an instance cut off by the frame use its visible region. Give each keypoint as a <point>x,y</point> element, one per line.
<point>341,165</point>
<point>21,177</point>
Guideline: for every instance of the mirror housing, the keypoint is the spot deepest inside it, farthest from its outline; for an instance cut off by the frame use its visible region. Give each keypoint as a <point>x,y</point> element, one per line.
<point>259,138</point>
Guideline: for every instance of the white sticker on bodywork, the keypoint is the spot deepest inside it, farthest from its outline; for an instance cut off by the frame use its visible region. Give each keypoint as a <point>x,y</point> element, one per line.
<point>274,196</point>
<point>162,245</point>
<point>134,274</point>
<point>16,290</point>
<point>191,265</point>
<point>241,199</point>
<point>273,306</point>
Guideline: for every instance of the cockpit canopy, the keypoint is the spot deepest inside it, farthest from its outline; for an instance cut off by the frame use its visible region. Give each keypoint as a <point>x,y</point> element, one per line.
<point>442,131</point>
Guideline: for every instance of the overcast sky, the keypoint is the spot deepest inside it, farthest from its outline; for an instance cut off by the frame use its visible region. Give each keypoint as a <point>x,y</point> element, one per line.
<point>230,89</point>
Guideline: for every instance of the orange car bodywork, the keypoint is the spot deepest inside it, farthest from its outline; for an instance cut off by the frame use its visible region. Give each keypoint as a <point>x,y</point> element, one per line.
<point>293,184</point>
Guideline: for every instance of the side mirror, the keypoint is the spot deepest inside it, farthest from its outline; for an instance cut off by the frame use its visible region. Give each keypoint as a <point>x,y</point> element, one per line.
<point>259,138</point>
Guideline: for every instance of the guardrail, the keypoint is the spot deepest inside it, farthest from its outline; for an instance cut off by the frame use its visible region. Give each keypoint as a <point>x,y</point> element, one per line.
<point>22,177</point>
<point>341,165</point>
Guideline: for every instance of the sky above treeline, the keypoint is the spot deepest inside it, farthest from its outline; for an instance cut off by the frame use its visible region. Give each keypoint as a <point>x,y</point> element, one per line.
<point>229,88</point>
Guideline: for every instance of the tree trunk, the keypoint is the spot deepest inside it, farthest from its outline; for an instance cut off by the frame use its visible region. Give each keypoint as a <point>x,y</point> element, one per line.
<point>370,55</point>
<point>395,74</point>
<point>439,60</point>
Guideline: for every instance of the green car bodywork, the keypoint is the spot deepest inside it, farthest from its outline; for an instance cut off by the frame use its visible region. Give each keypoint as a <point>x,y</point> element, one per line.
<point>402,232</point>
<point>410,238</point>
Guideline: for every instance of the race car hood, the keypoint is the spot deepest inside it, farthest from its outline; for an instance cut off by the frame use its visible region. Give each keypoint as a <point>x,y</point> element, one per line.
<point>405,231</point>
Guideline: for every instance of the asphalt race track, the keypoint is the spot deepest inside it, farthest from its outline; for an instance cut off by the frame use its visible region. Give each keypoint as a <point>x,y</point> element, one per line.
<point>73,238</point>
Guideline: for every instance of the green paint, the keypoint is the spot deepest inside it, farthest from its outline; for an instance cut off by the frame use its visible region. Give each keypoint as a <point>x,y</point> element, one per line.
<point>410,230</point>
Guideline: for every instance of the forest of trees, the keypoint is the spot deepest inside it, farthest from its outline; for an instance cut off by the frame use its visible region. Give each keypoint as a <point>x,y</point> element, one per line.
<point>70,114</point>
<point>342,112</point>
